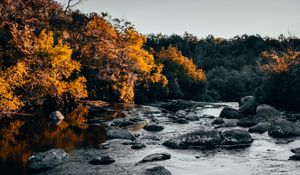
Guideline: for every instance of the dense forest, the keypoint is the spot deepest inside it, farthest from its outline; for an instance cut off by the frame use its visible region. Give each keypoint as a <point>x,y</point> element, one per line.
<point>52,56</point>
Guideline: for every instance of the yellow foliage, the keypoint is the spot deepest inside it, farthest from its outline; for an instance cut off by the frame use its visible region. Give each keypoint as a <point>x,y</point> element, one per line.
<point>280,63</point>
<point>175,56</point>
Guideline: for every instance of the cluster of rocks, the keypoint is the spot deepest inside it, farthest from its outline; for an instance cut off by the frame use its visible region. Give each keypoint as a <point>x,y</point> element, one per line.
<point>207,138</point>
<point>260,118</point>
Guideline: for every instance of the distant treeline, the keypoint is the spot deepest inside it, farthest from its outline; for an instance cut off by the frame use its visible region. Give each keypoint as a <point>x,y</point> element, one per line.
<point>51,56</point>
<point>243,65</point>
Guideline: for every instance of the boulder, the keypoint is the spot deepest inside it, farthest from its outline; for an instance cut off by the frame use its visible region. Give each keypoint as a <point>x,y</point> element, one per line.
<point>181,113</point>
<point>248,105</point>
<point>267,112</point>
<point>177,105</point>
<point>227,125</point>
<point>181,121</point>
<point>157,170</point>
<point>138,146</point>
<point>46,160</point>
<point>295,150</point>
<point>236,138</point>
<point>218,121</point>
<point>56,117</point>
<point>248,121</point>
<point>295,157</point>
<point>156,157</point>
<point>102,160</point>
<point>246,99</point>
<point>203,138</point>
<point>118,133</point>
<point>153,127</point>
<point>283,128</point>
<point>230,113</point>
<point>260,127</point>
<point>192,117</point>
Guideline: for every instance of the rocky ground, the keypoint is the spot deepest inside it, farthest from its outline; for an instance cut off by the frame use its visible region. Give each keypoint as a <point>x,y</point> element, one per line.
<point>185,137</point>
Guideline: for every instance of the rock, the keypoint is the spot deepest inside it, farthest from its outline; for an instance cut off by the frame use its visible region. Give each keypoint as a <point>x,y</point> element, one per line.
<point>260,127</point>
<point>178,105</point>
<point>156,157</point>
<point>267,112</point>
<point>192,117</point>
<point>56,117</point>
<point>138,146</point>
<point>153,127</point>
<point>118,133</point>
<point>246,99</point>
<point>218,121</point>
<point>104,146</point>
<point>236,138</point>
<point>248,122</point>
<point>207,116</point>
<point>295,150</point>
<point>295,157</point>
<point>293,117</point>
<point>46,160</point>
<point>181,113</point>
<point>181,121</point>
<point>203,138</point>
<point>157,170</point>
<point>105,160</point>
<point>230,113</point>
<point>125,122</point>
<point>283,128</point>
<point>248,105</point>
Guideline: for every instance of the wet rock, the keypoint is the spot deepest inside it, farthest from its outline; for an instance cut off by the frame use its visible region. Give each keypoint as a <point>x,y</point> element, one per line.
<point>248,105</point>
<point>157,170</point>
<point>181,113</point>
<point>295,157</point>
<point>236,138</point>
<point>156,157</point>
<point>125,122</point>
<point>283,128</point>
<point>105,160</point>
<point>295,150</point>
<point>118,133</point>
<point>138,146</point>
<point>207,116</point>
<point>260,127</point>
<point>192,117</point>
<point>248,121</point>
<point>177,105</point>
<point>46,160</point>
<point>267,112</point>
<point>104,146</point>
<point>246,99</point>
<point>153,127</point>
<point>293,117</point>
<point>230,113</point>
<point>56,117</point>
<point>218,121</point>
<point>203,138</point>
<point>181,121</point>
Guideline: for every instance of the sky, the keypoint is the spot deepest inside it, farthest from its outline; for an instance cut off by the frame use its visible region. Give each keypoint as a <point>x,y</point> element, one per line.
<point>221,18</point>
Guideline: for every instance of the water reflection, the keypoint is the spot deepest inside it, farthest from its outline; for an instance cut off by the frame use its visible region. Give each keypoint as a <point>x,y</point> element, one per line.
<point>20,137</point>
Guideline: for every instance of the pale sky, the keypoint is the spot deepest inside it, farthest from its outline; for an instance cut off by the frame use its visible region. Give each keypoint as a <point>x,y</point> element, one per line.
<point>221,18</point>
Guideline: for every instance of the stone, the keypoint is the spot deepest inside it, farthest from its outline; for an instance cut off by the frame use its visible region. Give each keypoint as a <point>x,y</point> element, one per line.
<point>153,127</point>
<point>267,112</point>
<point>118,133</point>
<point>218,121</point>
<point>157,170</point>
<point>181,121</point>
<point>230,113</point>
<point>203,138</point>
<point>236,138</point>
<point>260,127</point>
<point>102,160</point>
<point>46,160</point>
<point>156,157</point>
<point>284,128</point>
<point>56,117</point>
<point>138,146</point>
<point>248,105</point>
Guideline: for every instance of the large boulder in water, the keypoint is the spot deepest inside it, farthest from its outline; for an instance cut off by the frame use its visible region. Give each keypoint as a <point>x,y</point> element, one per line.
<point>236,138</point>
<point>156,157</point>
<point>46,160</point>
<point>248,105</point>
<point>284,128</point>
<point>230,113</point>
<point>203,138</point>
<point>153,127</point>
<point>260,127</point>
<point>56,117</point>
<point>157,170</point>
<point>118,133</point>
<point>267,112</point>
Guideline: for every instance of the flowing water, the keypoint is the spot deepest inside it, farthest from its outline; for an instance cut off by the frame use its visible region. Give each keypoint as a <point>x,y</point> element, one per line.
<point>84,129</point>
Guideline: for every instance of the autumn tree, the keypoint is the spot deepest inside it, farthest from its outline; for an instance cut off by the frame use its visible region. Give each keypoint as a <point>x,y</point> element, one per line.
<point>185,79</point>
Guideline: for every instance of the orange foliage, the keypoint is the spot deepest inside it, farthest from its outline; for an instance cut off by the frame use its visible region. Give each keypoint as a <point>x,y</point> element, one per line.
<point>173,55</point>
<point>281,62</point>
